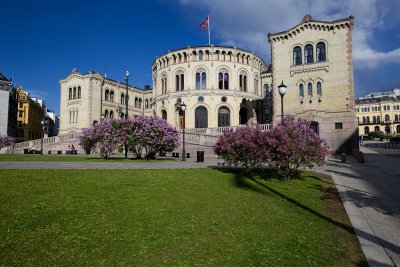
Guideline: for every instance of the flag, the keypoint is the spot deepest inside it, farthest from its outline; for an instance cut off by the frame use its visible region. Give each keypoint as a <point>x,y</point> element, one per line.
<point>204,24</point>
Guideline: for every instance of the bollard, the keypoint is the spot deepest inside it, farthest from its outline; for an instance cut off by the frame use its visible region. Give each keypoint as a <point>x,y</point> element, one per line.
<point>343,158</point>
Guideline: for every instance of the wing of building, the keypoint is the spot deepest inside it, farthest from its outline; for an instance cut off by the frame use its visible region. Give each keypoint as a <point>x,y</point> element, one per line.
<point>226,86</point>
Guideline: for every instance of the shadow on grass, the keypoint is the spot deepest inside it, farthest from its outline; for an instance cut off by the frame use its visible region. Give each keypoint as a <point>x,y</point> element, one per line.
<point>251,180</point>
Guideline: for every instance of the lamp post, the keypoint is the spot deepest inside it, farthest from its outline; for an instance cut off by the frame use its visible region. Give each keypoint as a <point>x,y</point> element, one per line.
<point>126,108</point>
<point>41,144</point>
<point>182,106</point>
<point>282,92</point>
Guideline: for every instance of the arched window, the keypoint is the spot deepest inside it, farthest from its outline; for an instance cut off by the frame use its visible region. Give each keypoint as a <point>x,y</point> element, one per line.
<point>366,130</point>
<point>373,119</point>
<point>74,92</point>
<point>367,119</point>
<point>122,99</point>
<point>146,103</point>
<point>243,81</point>
<point>79,92</point>
<point>201,117</point>
<point>387,117</point>
<point>398,129</point>
<point>136,102</point>
<point>314,125</point>
<point>297,56</point>
<point>256,84</point>
<point>301,90</point>
<point>377,129</point>
<point>164,84</point>
<point>107,95</point>
<point>201,79</point>
<point>378,119</point>
<point>164,115</point>
<point>70,94</point>
<point>319,89</point>
<point>396,118</point>
<point>310,93</point>
<point>266,89</point>
<point>179,81</point>
<point>122,115</point>
<point>112,96</point>
<point>140,103</point>
<point>321,53</point>
<point>106,113</point>
<point>200,55</point>
<point>384,108</point>
<point>111,114</point>
<point>243,116</point>
<point>223,117</point>
<point>223,79</point>
<point>308,54</point>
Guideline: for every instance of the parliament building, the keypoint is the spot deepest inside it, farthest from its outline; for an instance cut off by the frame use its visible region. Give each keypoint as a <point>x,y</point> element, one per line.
<point>227,86</point>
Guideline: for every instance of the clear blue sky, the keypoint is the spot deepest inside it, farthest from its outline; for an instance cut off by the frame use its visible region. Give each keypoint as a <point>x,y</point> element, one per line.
<point>41,41</point>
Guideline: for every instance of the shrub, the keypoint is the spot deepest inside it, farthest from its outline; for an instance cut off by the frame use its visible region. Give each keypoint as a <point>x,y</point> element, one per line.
<point>377,134</point>
<point>242,147</point>
<point>6,140</point>
<point>293,144</point>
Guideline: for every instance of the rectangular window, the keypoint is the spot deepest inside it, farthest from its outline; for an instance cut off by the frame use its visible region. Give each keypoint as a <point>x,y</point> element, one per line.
<point>338,125</point>
<point>266,110</point>
<point>20,114</point>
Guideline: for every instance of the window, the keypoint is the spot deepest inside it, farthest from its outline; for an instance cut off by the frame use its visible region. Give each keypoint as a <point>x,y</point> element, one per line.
<point>146,103</point>
<point>223,117</point>
<point>164,115</point>
<point>122,99</point>
<point>388,107</point>
<point>107,95</point>
<point>297,56</point>
<point>201,79</point>
<point>321,54</point>
<point>378,119</point>
<point>179,81</point>
<point>164,84</point>
<point>223,79</point>
<point>79,92</point>
<point>256,85</point>
<point>112,96</point>
<point>243,81</point>
<point>396,118</point>
<point>366,130</point>
<point>387,117</point>
<point>74,93</point>
<point>136,102</point>
<point>310,90</point>
<point>106,113</point>
<point>201,117</point>
<point>308,54</point>
<point>319,89</point>
<point>338,125</point>
<point>301,90</point>
<point>266,89</point>
<point>20,114</point>
<point>200,55</point>
<point>374,119</point>
<point>377,129</point>
<point>70,94</point>
<point>367,119</point>
<point>111,114</point>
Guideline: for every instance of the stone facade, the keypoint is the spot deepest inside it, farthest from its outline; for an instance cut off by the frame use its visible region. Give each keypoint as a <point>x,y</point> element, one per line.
<point>8,107</point>
<point>314,60</point>
<point>379,112</point>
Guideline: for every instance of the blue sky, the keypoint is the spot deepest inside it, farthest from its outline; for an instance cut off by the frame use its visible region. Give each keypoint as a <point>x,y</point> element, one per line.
<point>42,40</point>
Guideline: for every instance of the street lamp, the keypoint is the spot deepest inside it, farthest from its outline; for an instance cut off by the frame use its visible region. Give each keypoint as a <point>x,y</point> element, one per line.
<point>41,144</point>
<point>182,106</point>
<point>126,108</point>
<point>282,92</point>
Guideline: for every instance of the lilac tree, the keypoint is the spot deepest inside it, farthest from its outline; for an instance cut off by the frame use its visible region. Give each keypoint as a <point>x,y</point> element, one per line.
<point>6,140</point>
<point>242,147</point>
<point>293,144</point>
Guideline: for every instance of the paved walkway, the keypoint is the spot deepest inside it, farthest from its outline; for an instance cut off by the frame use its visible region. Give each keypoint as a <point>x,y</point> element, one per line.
<point>371,195</point>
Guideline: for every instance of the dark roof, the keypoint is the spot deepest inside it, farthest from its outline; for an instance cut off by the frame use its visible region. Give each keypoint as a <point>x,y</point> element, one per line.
<point>3,78</point>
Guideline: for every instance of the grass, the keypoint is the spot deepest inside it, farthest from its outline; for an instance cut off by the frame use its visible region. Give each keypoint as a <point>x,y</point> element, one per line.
<point>97,158</point>
<point>191,217</point>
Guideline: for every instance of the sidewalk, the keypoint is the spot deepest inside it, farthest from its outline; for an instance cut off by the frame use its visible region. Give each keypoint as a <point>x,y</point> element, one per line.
<point>371,196</point>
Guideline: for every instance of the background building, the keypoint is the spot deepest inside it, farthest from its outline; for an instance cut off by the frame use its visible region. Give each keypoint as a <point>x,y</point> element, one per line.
<point>30,115</point>
<point>8,107</point>
<point>379,112</point>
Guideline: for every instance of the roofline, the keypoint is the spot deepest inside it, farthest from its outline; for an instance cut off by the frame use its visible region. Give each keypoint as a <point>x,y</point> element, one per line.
<point>308,19</point>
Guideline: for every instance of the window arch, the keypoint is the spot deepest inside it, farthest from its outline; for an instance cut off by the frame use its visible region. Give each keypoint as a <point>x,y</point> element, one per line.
<point>301,90</point>
<point>164,114</point>
<point>106,113</point>
<point>201,55</point>
<point>378,119</point>
<point>74,93</point>
<point>201,79</point>
<point>308,54</point>
<point>70,94</point>
<point>79,92</point>
<point>164,84</point>
<point>223,79</point>
<point>319,89</point>
<point>223,117</point>
<point>243,81</point>
<point>373,119</point>
<point>366,130</point>
<point>112,96</point>
<point>377,129</point>
<point>107,95</point>
<point>396,118</point>
<point>297,55</point>
<point>310,91</point>
<point>136,102</point>
<point>111,114</point>
<point>122,99</point>
<point>201,117</point>
<point>387,117</point>
<point>321,52</point>
<point>179,81</point>
<point>146,104</point>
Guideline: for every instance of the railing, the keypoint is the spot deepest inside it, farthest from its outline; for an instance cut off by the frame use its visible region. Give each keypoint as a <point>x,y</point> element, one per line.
<point>220,130</point>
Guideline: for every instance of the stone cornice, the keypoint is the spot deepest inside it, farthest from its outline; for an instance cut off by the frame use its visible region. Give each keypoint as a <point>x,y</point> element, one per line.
<point>309,23</point>
<point>314,67</point>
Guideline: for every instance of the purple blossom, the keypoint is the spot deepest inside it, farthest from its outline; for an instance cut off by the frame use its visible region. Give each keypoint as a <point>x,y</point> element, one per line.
<point>6,140</point>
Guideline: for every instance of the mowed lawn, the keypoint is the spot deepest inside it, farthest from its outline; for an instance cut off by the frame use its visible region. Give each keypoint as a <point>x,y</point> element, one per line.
<point>88,158</point>
<point>191,217</point>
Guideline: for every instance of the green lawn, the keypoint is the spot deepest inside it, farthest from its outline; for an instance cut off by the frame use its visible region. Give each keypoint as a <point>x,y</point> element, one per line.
<point>93,158</point>
<point>192,217</point>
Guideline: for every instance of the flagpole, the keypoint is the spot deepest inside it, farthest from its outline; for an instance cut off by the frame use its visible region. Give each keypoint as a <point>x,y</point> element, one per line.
<point>209,36</point>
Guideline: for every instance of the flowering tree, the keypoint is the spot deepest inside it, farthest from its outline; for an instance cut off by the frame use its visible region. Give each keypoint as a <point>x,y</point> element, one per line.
<point>87,139</point>
<point>6,140</point>
<point>293,144</point>
<point>242,147</point>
